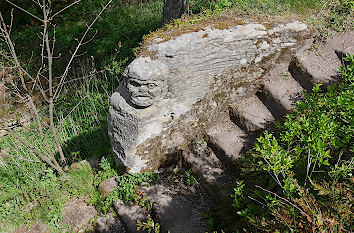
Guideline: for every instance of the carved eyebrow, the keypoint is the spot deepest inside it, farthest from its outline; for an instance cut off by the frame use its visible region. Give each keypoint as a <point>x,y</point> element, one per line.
<point>134,83</point>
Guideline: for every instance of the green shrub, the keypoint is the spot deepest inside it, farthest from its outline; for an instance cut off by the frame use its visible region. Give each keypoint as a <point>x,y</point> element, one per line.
<point>310,162</point>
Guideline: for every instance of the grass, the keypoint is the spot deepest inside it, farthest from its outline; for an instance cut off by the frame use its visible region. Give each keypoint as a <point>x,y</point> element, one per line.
<point>81,119</point>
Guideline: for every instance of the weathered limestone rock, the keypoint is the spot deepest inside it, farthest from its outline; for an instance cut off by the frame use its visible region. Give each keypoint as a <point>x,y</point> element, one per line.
<point>173,9</point>
<point>130,215</point>
<point>109,224</point>
<point>176,212</point>
<point>37,227</point>
<point>78,214</point>
<point>280,90</point>
<point>107,186</point>
<point>165,96</point>
<point>343,44</point>
<point>250,113</point>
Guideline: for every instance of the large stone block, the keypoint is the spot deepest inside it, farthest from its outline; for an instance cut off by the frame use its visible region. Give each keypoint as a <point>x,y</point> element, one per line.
<point>178,89</point>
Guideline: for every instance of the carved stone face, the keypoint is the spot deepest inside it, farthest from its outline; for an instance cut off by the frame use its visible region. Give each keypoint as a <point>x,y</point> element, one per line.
<point>143,93</point>
<point>145,81</point>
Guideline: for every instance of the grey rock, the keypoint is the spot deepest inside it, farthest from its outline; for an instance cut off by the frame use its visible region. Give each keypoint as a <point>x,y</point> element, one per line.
<point>109,224</point>
<point>343,44</point>
<point>130,215</point>
<point>318,67</point>
<point>173,9</point>
<point>280,90</point>
<point>176,212</point>
<point>107,186</point>
<point>145,121</point>
<point>250,113</point>
<point>37,227</point>
<point>78,214</point>
<point>228,138</point>
<point>210,169</point>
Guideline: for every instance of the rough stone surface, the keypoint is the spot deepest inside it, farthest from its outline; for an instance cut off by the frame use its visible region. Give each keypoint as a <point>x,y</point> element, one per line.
<point>343,44</point>
<point>108,186</point>
<point>317,67</point>
<point>227,138</point>
<point>109,224</point>
<point>280,91</point>
<point>173,9</point>
<point>77,214</point>
<point>209,168</point>
<point>191,69</point>
<point>37,227</point>
<point>250,113</point>
<point>177,209</point>
<point>130,215</point>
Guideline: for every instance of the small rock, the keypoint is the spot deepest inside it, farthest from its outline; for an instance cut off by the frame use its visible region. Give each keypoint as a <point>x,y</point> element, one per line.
<point>80,165</point>
<point>37,227</point>
<point>176,212</point>
<point>109,224</point>
<point>130,215</point>
<point>77,214</point>
<point>107,186</point>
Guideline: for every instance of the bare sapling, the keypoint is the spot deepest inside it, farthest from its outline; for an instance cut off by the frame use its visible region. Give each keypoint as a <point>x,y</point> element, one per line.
<point>43,80</point>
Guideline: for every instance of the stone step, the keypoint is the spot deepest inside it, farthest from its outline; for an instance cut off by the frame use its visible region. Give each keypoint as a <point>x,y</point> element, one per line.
<point>280,91</point>
<point>129,215</point>
<point>250,113</point>
<point>316,67</point>
<point>109,224</point>
<point>177,209</point>
<point>343,44</point>
<point>227,140</point>
<point>215,177</point>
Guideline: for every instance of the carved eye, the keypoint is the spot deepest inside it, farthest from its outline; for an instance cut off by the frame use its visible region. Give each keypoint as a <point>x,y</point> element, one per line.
<point>151,85</point>
<point>133,83</point>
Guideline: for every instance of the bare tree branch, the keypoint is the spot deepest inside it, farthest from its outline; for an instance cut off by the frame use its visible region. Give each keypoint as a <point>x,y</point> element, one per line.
<point>60,11</point>
<point>63,76</point>
<point>20,8</point>
<point>32,148</point>
<point>35,112</point>
<point>50,82</point>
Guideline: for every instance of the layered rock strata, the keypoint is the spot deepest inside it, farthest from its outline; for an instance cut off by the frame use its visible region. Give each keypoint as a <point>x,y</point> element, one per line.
<point>165,97</point>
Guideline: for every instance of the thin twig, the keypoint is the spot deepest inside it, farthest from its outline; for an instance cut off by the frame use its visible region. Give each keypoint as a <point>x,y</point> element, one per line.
<point>282,198</point>
<point>20,8</point>
<point>57,13</point>
<point>63,76</point>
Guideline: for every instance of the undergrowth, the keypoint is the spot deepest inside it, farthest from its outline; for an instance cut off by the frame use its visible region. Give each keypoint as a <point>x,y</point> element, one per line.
<point>300,177</point>
<point>40,194</point>
<point>126,189</point>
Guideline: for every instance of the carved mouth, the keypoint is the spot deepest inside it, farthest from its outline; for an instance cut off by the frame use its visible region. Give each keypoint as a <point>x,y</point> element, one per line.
<point>142,97</point>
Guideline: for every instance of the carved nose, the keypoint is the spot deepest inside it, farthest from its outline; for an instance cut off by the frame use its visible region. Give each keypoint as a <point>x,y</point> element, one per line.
<point>143,88</point>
